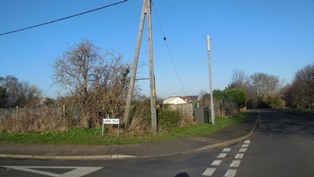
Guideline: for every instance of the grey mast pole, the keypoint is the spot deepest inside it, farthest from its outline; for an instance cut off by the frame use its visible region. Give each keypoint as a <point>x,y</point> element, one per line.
<point>212,111</point>
<point>134,66</point>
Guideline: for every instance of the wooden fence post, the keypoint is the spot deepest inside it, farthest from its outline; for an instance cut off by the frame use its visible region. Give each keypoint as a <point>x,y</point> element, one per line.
<point>17,112</point>
<point>63,115</point>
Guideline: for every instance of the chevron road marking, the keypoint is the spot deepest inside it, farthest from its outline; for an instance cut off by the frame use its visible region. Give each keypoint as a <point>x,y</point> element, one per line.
<point>75,171</point>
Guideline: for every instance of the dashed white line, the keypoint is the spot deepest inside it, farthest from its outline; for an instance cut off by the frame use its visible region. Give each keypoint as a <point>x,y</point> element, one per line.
<point>245,145</point>
<point>216,162</point>
<point>226,150</point>
<point>242,149</point>
<point>247,141</point>
<point>239,156</point>
<point>230,173</point>
<point>235,163</point>
<point>209,172</point>
<point>222,155</point>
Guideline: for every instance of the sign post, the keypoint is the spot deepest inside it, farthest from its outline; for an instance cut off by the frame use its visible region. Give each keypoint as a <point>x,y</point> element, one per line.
<point>108,121</point>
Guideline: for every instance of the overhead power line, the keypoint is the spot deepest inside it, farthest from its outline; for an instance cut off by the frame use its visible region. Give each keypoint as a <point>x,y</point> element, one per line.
<point>64,18</point>
<point>170,54</point>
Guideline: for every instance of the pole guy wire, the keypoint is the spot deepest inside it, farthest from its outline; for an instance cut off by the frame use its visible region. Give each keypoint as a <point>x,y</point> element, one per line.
<point>169,51</point>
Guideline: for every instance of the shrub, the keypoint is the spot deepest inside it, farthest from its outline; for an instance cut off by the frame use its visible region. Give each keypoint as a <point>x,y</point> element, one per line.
<point>141,118</point>
<point>229,101</point>
<point>168,119</point>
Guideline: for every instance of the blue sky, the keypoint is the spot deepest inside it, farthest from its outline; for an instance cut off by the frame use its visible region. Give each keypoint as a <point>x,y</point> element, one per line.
<point>271,36</point>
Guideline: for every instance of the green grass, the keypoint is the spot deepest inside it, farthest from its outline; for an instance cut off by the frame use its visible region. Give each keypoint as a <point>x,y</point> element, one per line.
<point>93,136</point>
<point>204,129</point>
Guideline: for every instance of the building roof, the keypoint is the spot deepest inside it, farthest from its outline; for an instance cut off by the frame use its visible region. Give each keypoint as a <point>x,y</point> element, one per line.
<point>174,100</point>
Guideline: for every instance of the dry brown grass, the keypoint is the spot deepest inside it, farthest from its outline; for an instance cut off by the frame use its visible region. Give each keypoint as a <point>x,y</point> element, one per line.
<point>35,119</point>
<point>58,118</point>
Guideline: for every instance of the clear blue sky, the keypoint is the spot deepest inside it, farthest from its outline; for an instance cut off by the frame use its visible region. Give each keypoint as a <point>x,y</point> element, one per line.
<point>270,36</point>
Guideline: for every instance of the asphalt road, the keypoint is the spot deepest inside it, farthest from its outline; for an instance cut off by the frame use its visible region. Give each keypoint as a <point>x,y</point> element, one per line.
<point>187,165</point>
<point>180,165</point>
<point>281,146</point>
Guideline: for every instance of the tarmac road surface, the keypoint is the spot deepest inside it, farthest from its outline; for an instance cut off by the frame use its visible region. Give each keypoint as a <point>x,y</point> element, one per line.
<point>184,165</point>
<point>282,146</point>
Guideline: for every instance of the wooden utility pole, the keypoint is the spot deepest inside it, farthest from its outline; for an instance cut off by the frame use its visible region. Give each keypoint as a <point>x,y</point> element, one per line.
<point>146,12</point>
<point>134,67</point>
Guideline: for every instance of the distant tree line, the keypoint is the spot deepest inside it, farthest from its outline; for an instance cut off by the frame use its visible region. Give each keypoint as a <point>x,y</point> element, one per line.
<point>268,91</point>
<point>17,93</point>
<point>262,90</point>
<point>300,93</point>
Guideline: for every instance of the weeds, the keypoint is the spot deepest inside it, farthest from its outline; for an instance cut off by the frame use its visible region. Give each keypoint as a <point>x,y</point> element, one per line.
<point>93,136</point>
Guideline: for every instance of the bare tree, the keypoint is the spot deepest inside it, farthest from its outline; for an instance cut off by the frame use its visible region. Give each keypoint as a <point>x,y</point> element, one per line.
<point>264,84</point>
<point>110,84</point>
<point>301,92</point>
<point>96,82</point>
<point>29,93</point>
<point>18,93</point>
<point>240,79</point>
<point>73,72</point>
<point>12,87</point>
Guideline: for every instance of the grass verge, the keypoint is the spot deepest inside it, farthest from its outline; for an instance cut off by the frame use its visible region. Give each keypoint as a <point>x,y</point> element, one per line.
<point>93,136</point>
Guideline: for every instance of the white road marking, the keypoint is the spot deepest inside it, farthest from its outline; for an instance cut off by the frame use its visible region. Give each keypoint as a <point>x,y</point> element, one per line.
<point>245,145</point>
<point>222,155</point>
<point>242,149</point>
<point>235,163</point>
<point>226,150</point>
<point>230,173</point>
<point>239,156</point>
<point>247,141</point>
<point>76,172</point>
<point>216,162</point>
<point>209,172</point>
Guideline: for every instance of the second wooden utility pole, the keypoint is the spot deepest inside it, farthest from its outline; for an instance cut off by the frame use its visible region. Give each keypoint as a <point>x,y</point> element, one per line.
<point>146,12</point>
